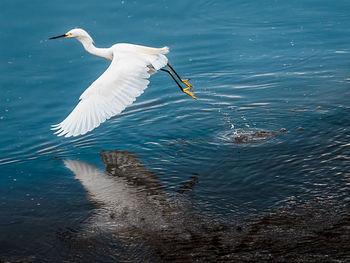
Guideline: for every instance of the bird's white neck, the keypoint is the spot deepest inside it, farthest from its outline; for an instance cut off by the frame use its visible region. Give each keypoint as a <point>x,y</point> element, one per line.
<point>100,52</point>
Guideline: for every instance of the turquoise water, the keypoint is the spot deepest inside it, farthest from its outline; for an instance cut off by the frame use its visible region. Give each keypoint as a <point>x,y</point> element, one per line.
<point>272,66</point>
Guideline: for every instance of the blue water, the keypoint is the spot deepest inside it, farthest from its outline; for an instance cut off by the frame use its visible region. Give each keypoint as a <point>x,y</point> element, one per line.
<point>254,66</point>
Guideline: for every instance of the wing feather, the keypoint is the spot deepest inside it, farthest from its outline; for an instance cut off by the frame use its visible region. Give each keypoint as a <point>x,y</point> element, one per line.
<point>118,87</point>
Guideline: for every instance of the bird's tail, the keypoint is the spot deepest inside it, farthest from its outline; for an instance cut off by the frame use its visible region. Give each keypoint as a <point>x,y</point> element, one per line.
<point>153,51</point>
<point>164,50</point>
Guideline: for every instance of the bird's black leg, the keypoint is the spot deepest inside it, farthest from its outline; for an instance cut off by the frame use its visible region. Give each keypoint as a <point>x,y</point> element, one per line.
<point>171,74</point>
<point>185,81</point>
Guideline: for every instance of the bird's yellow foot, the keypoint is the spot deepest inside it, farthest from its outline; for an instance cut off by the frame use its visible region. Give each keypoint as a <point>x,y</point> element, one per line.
<point>186,82</point>
<point>186,90</point>
<point>189,87</point>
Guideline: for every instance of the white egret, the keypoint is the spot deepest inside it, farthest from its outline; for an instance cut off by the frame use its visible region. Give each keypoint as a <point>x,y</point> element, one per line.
<point>123,81</point>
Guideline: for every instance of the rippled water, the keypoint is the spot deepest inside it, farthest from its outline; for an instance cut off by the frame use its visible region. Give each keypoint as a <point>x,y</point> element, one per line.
<point>270,127</point>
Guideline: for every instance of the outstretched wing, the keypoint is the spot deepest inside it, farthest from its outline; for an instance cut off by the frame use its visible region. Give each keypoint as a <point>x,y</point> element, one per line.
<point>118,87</point>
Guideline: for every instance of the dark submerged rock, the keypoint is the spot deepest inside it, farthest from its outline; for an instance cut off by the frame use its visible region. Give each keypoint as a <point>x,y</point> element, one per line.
<point>254,136</point>
<point>283,130</point>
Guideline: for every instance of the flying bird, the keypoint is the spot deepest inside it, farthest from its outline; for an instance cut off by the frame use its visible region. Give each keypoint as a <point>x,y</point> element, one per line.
<point>118,87</point>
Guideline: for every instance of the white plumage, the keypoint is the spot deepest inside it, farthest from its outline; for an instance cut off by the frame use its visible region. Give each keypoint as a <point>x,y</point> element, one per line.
<point>124,80</point>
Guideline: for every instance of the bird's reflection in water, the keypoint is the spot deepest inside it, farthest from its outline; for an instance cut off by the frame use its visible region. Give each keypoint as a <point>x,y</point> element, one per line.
<point>127,166</point>
<point>135,209</point>
<point>138,221</point>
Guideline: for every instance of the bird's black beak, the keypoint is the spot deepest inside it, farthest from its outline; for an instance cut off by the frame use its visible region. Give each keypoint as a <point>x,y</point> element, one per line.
<point>64,35</point>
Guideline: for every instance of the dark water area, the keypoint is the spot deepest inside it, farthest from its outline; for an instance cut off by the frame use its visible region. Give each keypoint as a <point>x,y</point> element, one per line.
<point>255,170</point>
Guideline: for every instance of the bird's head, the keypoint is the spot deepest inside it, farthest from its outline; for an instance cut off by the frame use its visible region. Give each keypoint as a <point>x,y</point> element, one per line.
<point>78,33</point>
